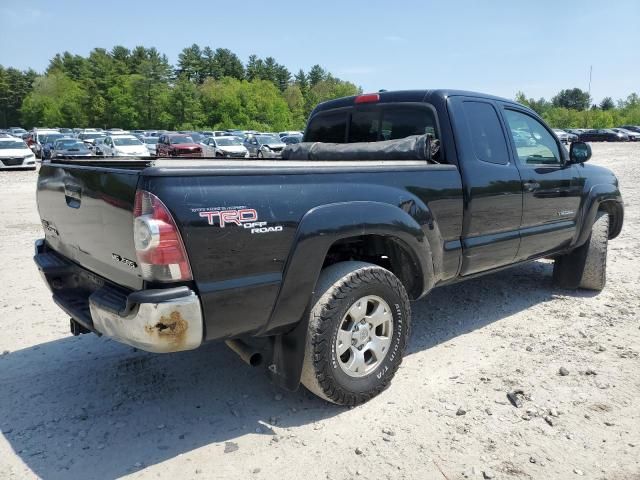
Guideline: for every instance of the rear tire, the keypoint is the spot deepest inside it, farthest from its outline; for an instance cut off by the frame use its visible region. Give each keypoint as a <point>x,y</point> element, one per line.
<point>358,330</point>
<point>586,266</point>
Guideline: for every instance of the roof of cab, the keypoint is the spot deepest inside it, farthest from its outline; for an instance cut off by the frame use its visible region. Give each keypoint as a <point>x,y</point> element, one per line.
<point>407,96</point>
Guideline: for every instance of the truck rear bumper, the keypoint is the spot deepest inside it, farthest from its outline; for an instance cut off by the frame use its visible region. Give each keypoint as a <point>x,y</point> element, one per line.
<point>161,321</point>
<point>169,326</point>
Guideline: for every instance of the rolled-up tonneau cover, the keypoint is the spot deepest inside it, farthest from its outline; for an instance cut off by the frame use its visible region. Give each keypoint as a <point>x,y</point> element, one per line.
<point>409,148</point>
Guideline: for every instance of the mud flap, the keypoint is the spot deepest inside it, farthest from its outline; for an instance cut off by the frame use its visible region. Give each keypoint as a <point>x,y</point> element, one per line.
<point>285,367</point>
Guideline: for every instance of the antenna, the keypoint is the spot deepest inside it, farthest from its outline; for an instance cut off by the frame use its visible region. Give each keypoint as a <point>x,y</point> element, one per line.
<point>590,72</point>
<point>589,107</point>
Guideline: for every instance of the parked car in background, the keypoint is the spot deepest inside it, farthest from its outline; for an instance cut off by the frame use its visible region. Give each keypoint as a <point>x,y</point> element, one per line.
<point>14,154</point>
<point>98,145</point>
<point>70,147</point>
<point>66,131</point>
<point>36,137</point>
<point>177,145</point>
<point>290,133</point>
<point>16,131</point>
<point>195,136</point>
<point>575,131</point>
<point>224,147</point>
<point>633,136</point>
<point>565,137</point>
<point>264,145</point>
<point>603,135</point>
<point>292,139</point>
<point>214,133</point>
<point>123,146</point>
<point>633,128</point>
<point>47,142</point>
<point>237,133</point>
<point>523,138</point>
<point>151,143</point>
<point>90,138</point>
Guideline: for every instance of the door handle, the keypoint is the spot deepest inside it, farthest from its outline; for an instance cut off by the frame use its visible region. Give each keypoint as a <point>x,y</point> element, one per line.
<point>73,195</point>
<point>531,186</point>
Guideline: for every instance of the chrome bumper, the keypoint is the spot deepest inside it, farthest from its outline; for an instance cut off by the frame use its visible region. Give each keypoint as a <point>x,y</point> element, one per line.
<point>167,326</point>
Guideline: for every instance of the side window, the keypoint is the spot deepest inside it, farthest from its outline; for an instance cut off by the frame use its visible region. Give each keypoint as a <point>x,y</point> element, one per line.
<point>534,144</point>
<point>328,127</point>
<point>487,137</point>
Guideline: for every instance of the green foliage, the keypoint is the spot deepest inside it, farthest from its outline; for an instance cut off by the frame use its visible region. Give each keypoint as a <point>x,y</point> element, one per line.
<point>604,115</point>
<point>607,103</point>
<point>14,87</point>
<point>233,103</point>
<point>210,88</point>
<point>572,98</point>
<point>55,100</point>
<point>138,88</point>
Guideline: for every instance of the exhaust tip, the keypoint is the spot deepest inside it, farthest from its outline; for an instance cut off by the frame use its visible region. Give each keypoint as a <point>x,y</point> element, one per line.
<point>248,354</point>
<point>255,360</point>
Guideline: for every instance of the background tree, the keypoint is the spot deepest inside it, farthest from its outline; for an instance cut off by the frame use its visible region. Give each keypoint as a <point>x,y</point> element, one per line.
<point>228,64</point>
<point>573,98</point>
<point>607,103</point>
<point>184,105</point>
<point>190,64</point>
<point>139,88</point>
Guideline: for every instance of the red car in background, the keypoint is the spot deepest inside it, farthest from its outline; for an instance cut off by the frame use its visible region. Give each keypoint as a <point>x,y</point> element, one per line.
<point>177,145</point>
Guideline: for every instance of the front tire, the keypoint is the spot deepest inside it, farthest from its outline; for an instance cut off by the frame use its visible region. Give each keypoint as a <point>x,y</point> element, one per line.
<point>586,266</point>
<point>358,330</point>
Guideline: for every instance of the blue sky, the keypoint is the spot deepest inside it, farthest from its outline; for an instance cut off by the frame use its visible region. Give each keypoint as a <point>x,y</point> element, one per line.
<point>497,47</point>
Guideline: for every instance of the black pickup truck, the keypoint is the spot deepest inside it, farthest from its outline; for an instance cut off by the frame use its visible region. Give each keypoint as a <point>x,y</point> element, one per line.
<point>307,266</point>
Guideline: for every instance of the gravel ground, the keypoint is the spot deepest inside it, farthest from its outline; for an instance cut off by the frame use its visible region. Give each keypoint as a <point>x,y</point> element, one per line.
<point>87,407</point>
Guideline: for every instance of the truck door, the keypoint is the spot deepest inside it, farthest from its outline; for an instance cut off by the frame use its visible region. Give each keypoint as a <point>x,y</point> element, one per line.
<point>550,184</point>
<point>491,183</point>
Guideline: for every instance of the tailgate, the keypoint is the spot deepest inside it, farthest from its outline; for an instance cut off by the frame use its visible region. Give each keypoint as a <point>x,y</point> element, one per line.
<point>87,213</point>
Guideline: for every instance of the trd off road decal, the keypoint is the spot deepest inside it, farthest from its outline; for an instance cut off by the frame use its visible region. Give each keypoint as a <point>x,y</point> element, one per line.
<point>244,217</point>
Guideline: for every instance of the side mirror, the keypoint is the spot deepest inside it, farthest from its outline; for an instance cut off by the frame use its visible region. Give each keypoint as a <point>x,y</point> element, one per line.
<point>579,152</point>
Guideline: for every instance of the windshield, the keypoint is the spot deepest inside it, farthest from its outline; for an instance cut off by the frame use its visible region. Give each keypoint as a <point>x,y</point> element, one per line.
<point>65,142</point>
<point>268,139</point>
<point>151,140</point>
<point>51,138</point>
<point>124,141</point>
<point>9,144</point>
<point>177,140</point>
<point>228,142</point>
<point>90,136</point>
<point>75,146</point>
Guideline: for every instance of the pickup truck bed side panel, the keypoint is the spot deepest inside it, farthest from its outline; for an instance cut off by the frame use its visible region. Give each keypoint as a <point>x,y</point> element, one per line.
<point>238,269</point>
<point>326,224</point>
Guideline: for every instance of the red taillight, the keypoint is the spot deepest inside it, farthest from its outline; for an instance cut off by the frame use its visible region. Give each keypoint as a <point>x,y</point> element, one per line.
<point>159,248</point>
<point>368,98</point>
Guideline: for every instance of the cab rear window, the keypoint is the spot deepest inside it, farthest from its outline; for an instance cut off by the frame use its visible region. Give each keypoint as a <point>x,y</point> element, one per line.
<point>383,122</point>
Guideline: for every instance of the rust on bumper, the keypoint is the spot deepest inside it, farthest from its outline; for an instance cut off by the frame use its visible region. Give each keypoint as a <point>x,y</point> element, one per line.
<point>163,327</point>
